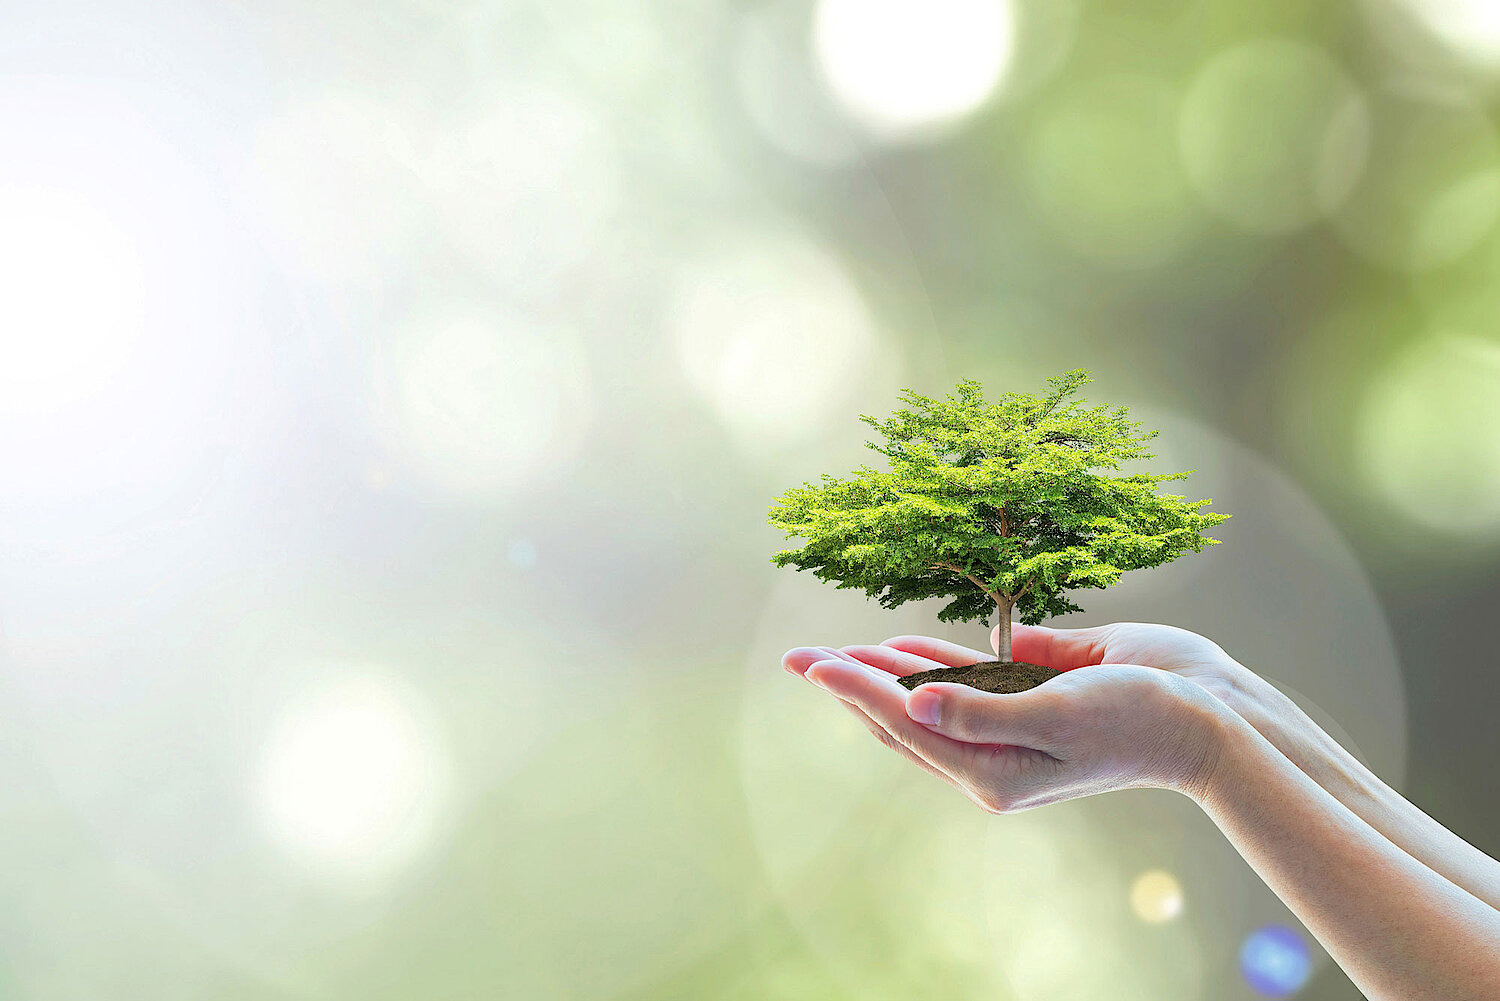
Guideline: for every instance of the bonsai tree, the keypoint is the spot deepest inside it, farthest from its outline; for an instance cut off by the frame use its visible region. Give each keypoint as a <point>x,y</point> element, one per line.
<point>1003,507</point>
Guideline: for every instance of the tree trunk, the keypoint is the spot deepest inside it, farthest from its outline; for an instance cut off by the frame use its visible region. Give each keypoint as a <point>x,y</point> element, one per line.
<point>1002,646</point>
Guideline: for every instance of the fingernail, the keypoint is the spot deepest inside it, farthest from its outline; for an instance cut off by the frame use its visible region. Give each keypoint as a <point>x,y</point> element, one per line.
<point>923,709</point>
<point>791,655</point>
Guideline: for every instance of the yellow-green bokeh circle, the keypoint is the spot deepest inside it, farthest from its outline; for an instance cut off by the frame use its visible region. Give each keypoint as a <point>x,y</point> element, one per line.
<point>1427,435</point>
<point>1273,134</point>
<point>1430,191</point>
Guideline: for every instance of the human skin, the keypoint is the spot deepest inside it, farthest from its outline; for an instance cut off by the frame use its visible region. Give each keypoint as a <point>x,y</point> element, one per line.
<point>1275,716</point>
<point>1398,901</point>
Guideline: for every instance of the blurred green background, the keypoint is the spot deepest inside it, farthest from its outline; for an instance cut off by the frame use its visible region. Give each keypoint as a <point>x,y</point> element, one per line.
<point>391,396</point>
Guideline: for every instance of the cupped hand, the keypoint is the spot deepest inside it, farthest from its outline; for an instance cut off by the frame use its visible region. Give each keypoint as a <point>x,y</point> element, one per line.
<point>1108,726</point>
<point>1149,644</point>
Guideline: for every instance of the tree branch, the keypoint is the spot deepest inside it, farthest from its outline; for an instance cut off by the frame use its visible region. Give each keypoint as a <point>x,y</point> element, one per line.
<point>977,582</point>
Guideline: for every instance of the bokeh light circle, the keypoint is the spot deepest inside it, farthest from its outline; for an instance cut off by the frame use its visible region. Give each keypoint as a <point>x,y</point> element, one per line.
<point>1273,134</point>
<point>1275,961</point>
<point>351,778</point>
<point>1281,554</point>
<point>1105,172</point>
<point>126,305</point>
<point>1463,297</point>
<point>1430,190</point>
<point>772,334</point>
<point>1467,28</point>
<point>1424,443</point>
<point>902,67</point>
<point>488,405</point>
<point>1156,896</point>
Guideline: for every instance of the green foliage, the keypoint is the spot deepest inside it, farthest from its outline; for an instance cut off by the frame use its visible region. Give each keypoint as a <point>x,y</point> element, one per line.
<point>997,505</point>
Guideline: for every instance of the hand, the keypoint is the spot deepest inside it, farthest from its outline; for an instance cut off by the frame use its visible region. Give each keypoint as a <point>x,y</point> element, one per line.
<point>1343,850</point>
<point>1087,731</point>
<point>1167,648</point>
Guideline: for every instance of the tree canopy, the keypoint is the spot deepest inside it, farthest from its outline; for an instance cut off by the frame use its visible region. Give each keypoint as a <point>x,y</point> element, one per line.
<point>998,505</point>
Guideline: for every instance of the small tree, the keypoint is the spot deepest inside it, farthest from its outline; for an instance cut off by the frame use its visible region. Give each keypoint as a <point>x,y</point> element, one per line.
<point>1000,506</point>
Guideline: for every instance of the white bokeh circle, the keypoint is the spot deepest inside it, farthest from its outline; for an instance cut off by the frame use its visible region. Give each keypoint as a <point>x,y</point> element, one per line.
<point>352,777</point>
<point>126,294</point>
<point>905,67</point>
<point>772,334</point>
<point>1466,29</point>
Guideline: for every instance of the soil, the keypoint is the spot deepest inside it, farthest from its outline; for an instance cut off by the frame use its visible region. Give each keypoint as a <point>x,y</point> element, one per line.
<point>987,676</point>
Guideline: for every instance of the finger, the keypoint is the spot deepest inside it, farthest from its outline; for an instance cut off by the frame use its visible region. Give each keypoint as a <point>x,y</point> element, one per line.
<point>880,696</point>
<point>1062,649</point>
<point>1027,719</point>
<point>940,652</point>
<point>892,661</point>
<point>949,771</point>
<point>798,659</point>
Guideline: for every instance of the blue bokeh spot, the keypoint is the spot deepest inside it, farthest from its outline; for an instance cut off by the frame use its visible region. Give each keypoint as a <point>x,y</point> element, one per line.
<point>1276,961</point>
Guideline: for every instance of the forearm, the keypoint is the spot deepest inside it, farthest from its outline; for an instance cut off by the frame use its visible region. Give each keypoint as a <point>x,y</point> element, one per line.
<point>1396,927</point>
<point>1343,776</point>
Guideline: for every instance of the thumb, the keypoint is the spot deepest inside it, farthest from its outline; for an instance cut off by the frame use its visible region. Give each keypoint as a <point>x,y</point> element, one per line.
<point>1028,719</point>
<point>1061,649</point>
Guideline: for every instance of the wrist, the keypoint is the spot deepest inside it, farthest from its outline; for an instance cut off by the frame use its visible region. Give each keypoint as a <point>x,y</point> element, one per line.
<point>1276,717</point>
<point>1249,695</point>
<point>1218,733</point>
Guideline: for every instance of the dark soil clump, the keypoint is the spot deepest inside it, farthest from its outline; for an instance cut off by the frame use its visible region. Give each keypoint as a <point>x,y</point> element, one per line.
<point>987,676</point>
